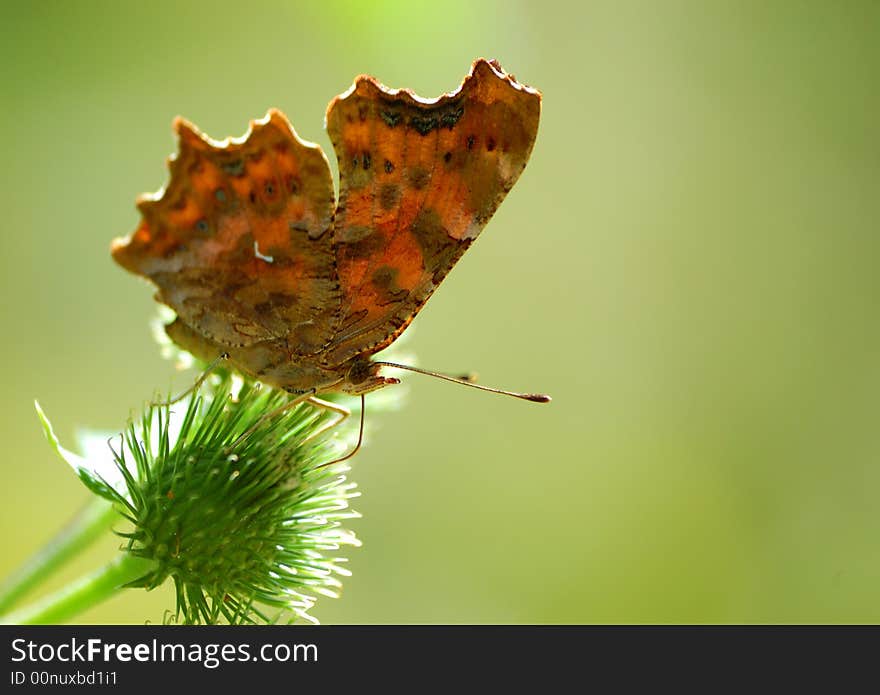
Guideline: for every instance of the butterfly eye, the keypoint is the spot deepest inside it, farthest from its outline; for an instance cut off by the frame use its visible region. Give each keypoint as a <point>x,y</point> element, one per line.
<point>360,371</point>
<point>202,225</point>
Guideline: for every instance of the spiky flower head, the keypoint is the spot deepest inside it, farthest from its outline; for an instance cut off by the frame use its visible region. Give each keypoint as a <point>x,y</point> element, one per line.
<point>229,495</point>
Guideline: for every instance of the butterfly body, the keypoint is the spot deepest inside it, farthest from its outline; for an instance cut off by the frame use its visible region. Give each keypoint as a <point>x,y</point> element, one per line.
<point>248,246</point>
<point>276,363</point>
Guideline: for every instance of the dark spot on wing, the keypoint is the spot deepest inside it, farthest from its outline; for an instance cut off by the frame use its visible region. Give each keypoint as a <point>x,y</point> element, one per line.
<point>234,167</point>
<point>431,235</point>
<point>423,124</point>
<point>389,195</point>
<point>385,282</point>
<point>391,118</point>
<point>450,118</point>
<point>418,178</point>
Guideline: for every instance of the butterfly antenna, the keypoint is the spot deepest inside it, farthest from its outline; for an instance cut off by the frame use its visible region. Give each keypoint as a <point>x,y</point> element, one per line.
<point>356,446</point>
<point>469,380</point>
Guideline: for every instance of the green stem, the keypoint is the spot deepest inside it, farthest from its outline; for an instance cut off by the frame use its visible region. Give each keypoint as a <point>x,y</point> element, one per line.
<point>92,522</point>
<point>81,594</point>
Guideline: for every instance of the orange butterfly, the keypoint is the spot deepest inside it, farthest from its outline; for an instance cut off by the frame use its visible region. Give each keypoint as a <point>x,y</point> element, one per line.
<point>246,244</point>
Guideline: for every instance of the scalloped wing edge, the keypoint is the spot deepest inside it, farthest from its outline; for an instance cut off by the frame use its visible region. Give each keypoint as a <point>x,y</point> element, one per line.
<point>414,99</point>
<point>188,134</point>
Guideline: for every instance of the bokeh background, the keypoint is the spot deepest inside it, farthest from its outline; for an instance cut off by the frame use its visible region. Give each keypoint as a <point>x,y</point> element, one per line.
<point>689,265</point>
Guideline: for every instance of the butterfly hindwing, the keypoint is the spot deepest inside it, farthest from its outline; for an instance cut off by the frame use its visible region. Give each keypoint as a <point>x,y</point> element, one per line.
<point>239,241</point>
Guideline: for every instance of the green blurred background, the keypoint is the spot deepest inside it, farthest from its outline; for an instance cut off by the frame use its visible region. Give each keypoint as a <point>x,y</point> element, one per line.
<point>688,265</point>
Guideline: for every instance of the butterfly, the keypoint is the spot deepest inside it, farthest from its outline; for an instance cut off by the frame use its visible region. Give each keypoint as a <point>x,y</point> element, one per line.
<point>263,267</point>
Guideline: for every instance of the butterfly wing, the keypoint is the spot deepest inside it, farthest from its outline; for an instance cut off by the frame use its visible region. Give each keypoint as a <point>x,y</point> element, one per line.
<point>418,181</point>
<point>239,242</point>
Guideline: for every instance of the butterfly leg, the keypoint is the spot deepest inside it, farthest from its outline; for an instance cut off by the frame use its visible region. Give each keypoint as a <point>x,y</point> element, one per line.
<point>280,410</point>
<point>198,382</point>
<point>343,412</point>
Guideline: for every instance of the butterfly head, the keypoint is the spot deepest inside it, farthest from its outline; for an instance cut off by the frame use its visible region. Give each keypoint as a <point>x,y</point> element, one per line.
<point>363,377</point>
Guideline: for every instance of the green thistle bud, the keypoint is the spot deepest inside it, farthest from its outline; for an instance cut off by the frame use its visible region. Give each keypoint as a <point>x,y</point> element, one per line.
<point>229,496</point>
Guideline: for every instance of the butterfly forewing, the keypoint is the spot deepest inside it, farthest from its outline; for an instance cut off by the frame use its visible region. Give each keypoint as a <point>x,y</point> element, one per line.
<point>418,181</point>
